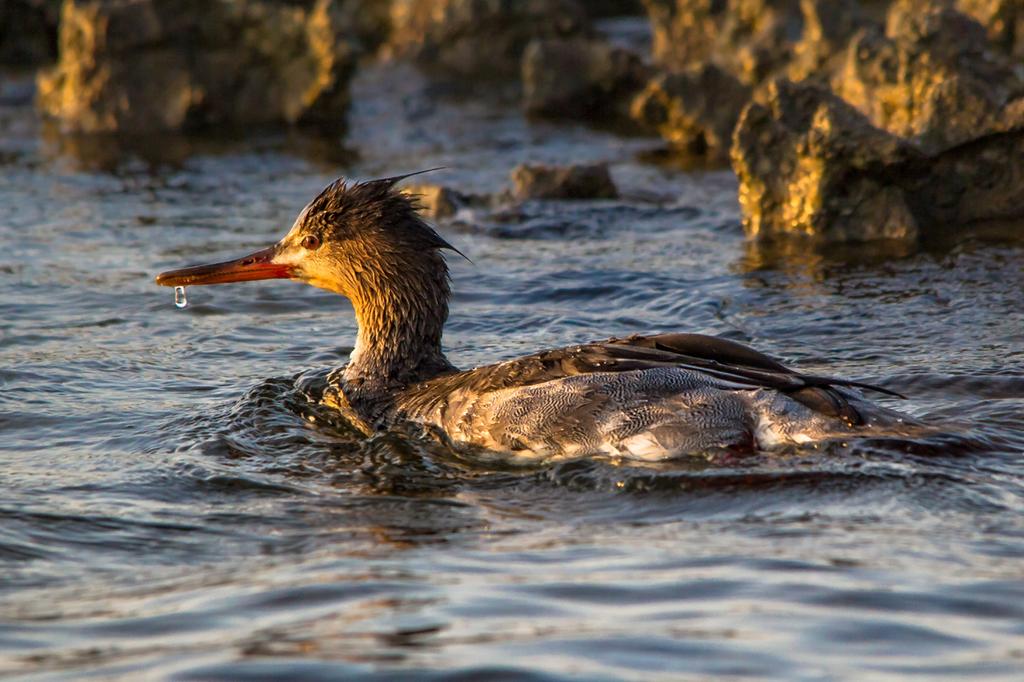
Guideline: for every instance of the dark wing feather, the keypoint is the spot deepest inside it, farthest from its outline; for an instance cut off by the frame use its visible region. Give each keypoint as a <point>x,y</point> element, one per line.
<point>723,359</point>
<point>713,353</point>
<point>738,363</point>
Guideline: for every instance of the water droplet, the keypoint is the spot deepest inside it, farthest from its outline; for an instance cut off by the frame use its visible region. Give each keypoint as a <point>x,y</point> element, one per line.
<point>179,297</point>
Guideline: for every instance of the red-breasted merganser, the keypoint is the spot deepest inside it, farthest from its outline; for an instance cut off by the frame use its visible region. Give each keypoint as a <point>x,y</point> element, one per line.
<point>642,397</point>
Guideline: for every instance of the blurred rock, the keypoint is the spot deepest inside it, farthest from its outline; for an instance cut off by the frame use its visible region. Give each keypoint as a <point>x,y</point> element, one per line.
<point>713,55</point>
<point>28,32</point>
<point>1003,20</point>
<point>974,185</point>
<point>695,110</point>
<point>932,76</point>
<point>473,38</point>
<point>367,21</point>
<point>436,201</point>
<point>810,164</point>
<point>578,181</point>
<point>758,40</point>
<point>908,117</point>
<point>749,38</point>
<point>147,65</point>
<point>828,27</point>
<point>580,78</point>
<point>612,8</point>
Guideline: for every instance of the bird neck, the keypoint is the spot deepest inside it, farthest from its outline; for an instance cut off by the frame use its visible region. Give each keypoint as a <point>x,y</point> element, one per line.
<point>401,309</point>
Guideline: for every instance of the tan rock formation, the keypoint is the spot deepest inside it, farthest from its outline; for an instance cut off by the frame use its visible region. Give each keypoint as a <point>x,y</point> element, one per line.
<point>478,37</point>
<point>695,110</point>
<point>810,164</point>
<point>148,65</point>
<point>749,38</point>
<point>580,78</point>
<point>932,76</point>
<point>578,181</point>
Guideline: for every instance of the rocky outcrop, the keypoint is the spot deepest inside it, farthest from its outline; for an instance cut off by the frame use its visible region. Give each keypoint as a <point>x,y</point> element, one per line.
<point>580,78</point>
<point>715,53</point>
<point>28,32</point>
<point>368,22</point>
<point>810,164</point>
<point>749,38</point>
<point>712,55</point>
<point>828,27</point>
<point>578,181</point>
<point>612,8</point>
<point>436,202</point>
<point>878,119</point>
<point>148,65</point>
<point>695,110</point>
<point>931,76</point>
<point>979,182</point>
<point>474,38</point>
<point>1003,21</point>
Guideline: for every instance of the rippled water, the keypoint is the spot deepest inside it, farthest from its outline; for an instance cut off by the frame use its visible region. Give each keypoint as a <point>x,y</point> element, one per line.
<point>174,505</point>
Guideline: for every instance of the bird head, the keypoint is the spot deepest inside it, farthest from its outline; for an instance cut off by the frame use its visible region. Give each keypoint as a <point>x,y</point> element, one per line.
<point>351,237</point>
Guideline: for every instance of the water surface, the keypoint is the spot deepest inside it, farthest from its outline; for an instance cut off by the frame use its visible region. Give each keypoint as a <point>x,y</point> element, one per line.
<point>174,506</point>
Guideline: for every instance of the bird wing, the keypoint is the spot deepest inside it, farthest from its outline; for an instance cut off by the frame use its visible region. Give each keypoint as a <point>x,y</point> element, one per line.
<point>733,364</point>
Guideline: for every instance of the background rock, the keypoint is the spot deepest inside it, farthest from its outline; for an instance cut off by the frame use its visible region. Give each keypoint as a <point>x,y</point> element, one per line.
<point>695,110</point>
<point>368,22</point>
<point>436,202</point>
<point>810,164</point>
<point>478,37</point>
<point>580,78</point>
<point>828,27</point>
<point>749,38</point>
<point>145,65</point>
<point>28,32</point>
<point>894,116</point>
<point>612,8</point>
<point>1003,20</point>
<point>933,76</point>
<point>589,181</point>
<point>976,183</point>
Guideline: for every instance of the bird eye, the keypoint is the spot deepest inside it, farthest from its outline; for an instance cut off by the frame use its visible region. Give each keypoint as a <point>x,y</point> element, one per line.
<point>310,242</point>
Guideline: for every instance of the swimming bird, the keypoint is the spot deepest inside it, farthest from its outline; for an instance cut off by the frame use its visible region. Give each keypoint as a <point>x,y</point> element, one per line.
<point>643,397</point>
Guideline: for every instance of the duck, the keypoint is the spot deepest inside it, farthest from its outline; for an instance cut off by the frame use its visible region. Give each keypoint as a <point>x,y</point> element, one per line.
<point>646,397</point>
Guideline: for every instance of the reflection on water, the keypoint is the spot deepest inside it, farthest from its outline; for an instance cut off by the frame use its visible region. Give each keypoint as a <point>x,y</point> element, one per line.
<point>813,259</point>
<point>177,504</point>
<point>171,150</point>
